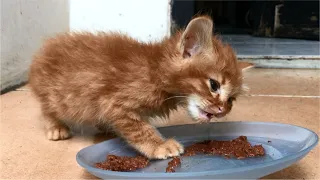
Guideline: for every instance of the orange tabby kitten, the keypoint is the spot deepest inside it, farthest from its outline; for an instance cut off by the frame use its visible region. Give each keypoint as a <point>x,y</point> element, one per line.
<point>110,79</point>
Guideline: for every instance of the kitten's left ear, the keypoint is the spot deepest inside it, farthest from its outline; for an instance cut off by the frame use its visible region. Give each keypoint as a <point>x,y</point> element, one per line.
<point>244,66</point>
<point>197,36</point>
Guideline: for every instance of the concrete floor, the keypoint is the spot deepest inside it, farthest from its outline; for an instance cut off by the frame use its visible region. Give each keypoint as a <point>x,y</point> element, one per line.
<point>285,96</point>
<point>276,52</point>
<point>250,46</point>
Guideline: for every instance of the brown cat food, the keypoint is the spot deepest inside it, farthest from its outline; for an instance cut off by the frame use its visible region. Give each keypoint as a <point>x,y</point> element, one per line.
<point>123,163</point>
<point>175,162</point>
<point>239,148</point>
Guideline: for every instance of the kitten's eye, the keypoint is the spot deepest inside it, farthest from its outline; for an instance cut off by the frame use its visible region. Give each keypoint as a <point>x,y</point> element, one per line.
<point>231,99</point>
<point>214,85</point>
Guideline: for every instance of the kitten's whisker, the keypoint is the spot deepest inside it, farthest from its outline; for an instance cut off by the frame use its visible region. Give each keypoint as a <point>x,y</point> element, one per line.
<point>174,97</point>
<point>183,94</point>
<point>204,104</point>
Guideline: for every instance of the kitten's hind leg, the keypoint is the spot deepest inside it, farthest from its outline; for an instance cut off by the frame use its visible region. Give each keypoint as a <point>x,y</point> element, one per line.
<point>55,129</point>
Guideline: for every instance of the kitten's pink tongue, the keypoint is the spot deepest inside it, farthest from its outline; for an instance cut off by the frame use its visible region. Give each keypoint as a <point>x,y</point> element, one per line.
<point>205,115</point>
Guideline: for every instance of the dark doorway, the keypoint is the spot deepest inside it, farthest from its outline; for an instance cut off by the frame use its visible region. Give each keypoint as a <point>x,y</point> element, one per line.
<point>289,19</point>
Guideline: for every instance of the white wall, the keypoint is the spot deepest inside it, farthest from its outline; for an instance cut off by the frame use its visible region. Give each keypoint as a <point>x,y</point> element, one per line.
<point>142,19</point>
<point>24,24</point>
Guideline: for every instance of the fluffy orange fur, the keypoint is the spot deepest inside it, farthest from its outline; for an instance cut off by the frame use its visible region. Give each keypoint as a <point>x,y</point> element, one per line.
<point>110,79</point>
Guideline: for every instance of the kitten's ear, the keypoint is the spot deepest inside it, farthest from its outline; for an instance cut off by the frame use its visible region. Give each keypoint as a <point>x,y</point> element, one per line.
<point>244,66</point>
<point>197,36</point>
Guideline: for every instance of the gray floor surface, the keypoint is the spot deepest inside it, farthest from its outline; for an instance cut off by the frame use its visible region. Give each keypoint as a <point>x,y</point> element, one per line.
<point>258,47</point>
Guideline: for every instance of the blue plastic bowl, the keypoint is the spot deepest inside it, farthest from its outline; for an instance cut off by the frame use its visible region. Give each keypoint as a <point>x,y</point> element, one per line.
<point>284,145</point>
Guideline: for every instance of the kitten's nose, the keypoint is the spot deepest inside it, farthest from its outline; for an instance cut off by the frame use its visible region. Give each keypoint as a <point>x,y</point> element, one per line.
<point>220,109</point>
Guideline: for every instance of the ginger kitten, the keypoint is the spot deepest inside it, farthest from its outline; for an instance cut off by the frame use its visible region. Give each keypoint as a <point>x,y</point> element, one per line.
<point>110,79</point>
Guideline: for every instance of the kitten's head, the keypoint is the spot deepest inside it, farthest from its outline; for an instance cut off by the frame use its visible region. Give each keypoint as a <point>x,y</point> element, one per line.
<point>209,73</point>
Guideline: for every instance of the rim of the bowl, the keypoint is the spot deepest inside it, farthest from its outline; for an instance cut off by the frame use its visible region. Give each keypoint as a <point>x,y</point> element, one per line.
<point>194,174</point>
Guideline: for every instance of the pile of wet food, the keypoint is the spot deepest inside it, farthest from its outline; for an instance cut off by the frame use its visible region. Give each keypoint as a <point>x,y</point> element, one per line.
<point>123,163</point>
<point>238,148</point>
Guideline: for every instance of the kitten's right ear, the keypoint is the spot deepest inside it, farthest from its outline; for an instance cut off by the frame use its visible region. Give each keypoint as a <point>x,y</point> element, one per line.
<point>197,36</point>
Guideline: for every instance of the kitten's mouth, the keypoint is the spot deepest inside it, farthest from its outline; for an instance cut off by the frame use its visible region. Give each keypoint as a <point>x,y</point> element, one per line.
<point>205,114</point>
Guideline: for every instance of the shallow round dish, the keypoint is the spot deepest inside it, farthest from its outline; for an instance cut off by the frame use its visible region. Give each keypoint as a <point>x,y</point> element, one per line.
<point>284,145</point>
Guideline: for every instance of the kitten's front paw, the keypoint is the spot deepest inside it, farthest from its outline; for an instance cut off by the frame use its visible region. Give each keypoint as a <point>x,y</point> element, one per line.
<point>169,148</point>
<point>58,132</point>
